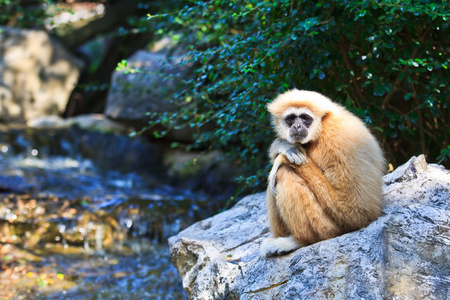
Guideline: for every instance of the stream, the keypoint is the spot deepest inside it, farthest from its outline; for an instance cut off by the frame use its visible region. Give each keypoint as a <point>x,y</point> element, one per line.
<point>72,228</point>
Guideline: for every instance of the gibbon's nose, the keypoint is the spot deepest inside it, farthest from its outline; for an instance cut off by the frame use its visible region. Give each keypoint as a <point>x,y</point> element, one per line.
<point>297,126</point>
<point>298,132</point>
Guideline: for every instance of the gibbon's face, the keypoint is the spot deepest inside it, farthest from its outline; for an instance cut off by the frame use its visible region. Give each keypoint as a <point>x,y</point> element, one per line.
<point>299,125</point>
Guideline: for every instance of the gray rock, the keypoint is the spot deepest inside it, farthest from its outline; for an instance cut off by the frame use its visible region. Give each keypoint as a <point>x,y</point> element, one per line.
<point>211,172</point>
<point>37,75</point>
<point>133,94</point>
<point>405,254</point>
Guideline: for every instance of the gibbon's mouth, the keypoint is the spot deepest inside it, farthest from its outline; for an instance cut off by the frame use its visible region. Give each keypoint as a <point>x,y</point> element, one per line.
<point>298,137</point>
<point>298,134</point>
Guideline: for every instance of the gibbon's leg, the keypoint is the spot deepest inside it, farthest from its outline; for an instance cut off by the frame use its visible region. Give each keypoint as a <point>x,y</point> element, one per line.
<point>300,210</point>
<point>271,246</point>
<point>337,204</point>
<point>282,243</point>
<point>326,196</point>
<point>277,225</point>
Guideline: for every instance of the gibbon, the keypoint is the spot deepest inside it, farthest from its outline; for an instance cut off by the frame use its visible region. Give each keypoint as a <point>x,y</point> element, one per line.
<point>327,172</point>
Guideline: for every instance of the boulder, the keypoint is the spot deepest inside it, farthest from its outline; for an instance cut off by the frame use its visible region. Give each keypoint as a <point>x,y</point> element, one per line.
<point>133,94</point>
<point>211,172</point>
<point>37,75</point>
<point>405,254</point>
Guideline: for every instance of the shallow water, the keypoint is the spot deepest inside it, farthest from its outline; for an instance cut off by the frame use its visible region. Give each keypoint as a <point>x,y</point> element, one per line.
<point>139,269</point>
<point>70,230</point>
<point>136,269</point>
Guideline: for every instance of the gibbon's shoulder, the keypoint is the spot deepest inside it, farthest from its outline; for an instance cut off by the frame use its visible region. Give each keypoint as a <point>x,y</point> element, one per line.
<point>316,102</point>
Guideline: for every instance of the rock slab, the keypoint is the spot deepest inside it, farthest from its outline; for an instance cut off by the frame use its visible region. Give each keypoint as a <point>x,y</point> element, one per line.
<point>148,89</point>
<point>405,254</point>
<point>37,75</point>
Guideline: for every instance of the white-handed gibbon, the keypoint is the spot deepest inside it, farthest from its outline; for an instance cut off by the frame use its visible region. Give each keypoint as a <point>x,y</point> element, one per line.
<point>327,172</point>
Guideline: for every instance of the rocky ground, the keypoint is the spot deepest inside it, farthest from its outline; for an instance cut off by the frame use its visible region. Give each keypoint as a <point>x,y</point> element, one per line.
<point>402,255</point>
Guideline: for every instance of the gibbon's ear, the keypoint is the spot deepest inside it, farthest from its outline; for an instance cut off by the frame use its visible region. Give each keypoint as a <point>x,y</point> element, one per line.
<point>326,116</point>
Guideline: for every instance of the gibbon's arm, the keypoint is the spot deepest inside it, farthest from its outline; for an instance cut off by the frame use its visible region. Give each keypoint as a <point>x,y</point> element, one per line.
<point>326,195</point>
<point>293,153</point>
<point>309,171</point>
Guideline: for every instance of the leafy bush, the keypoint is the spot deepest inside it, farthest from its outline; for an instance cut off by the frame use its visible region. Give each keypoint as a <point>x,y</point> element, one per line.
<point>387,61</point>
<point>27,14</point>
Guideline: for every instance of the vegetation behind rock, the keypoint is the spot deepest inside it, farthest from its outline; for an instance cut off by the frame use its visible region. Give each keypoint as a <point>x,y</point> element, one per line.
<point>384,60</point>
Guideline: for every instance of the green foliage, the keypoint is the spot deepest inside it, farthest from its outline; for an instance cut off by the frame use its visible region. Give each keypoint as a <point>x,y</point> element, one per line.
<point>445,154</point>
<point>387,61</point>
<point>27,14</point>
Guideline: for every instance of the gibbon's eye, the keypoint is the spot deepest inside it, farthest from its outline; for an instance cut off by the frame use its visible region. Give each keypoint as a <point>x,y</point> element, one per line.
<point>290,119</point>
<point>307,119</point>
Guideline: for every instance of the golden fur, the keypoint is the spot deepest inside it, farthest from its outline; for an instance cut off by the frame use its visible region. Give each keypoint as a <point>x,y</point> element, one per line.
<point>337,190</point>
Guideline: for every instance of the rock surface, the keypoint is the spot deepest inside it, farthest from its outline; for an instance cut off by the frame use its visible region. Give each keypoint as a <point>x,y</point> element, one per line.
<point>211,172</point>
<point>133,94</point>
<point>36,75</point>
<point>91,122</point>
<point>405,254</point>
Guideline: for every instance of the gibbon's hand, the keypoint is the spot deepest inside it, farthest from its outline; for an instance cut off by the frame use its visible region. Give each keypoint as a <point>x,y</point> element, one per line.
<point>293,153</point>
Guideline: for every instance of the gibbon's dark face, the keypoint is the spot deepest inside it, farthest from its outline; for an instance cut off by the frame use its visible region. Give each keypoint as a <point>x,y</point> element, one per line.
<point>298,125</point>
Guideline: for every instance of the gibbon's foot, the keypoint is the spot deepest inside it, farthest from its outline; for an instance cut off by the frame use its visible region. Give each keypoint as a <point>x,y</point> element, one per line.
<point>278,246</point>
